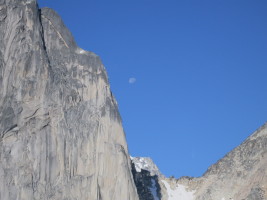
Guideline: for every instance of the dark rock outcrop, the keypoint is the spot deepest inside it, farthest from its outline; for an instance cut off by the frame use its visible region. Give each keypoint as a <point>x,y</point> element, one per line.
<point>147,185</point>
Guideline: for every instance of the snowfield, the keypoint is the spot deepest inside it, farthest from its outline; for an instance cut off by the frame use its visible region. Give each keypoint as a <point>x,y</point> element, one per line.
<point>179,193</point>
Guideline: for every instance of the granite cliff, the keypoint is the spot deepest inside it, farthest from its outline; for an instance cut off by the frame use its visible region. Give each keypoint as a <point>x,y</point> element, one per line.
<point>61,135</point>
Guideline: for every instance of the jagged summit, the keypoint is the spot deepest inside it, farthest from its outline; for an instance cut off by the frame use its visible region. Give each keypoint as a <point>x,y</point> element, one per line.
<point>146,163</point>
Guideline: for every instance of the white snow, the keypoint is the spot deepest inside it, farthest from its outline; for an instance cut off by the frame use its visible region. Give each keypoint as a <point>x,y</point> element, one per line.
<point>147,164</point>
<point>82,51</point>
<point>179,193</point>
<point>138,167</point>
<point>140,163</point>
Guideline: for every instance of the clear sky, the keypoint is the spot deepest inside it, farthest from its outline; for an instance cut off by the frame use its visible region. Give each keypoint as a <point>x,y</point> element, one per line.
<point>190,76</point>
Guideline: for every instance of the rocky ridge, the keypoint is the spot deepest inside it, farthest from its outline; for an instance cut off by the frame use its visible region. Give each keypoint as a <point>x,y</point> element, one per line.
<point>240,175</point>
<point>146,163</point>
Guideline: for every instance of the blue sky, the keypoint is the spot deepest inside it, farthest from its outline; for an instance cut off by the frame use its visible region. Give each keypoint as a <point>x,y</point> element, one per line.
<point>198,69</point>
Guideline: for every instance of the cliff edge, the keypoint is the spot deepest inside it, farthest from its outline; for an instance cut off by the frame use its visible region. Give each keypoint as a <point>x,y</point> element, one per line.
<point>61,135</point>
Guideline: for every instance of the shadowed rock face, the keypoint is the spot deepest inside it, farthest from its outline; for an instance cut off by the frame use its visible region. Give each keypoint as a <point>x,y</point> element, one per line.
<point>61,136</point>
<point>146,180</point>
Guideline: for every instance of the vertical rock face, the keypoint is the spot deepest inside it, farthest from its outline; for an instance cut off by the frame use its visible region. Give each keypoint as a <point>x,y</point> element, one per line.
<point>61,136</point>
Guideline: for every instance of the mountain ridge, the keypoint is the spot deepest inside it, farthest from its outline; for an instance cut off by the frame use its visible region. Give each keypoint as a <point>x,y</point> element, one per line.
<point>240,175</point>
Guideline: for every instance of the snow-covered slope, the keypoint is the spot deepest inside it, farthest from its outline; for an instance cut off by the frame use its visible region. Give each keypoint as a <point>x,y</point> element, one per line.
<point>152,185</point>
<point>178,192</point>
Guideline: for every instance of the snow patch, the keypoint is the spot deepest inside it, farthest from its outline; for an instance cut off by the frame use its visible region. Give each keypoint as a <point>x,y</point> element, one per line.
<point>147,164</point>
<point>179,193</point>
<point>138,167</point>
<point>82,51</point>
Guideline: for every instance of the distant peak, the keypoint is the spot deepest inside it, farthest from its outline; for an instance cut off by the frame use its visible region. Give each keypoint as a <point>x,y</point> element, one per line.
<point>146,163</point>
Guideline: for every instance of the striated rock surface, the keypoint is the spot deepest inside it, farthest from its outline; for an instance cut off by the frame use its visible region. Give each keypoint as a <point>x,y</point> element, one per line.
<point>240,175</point>
<point>61,135</point>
